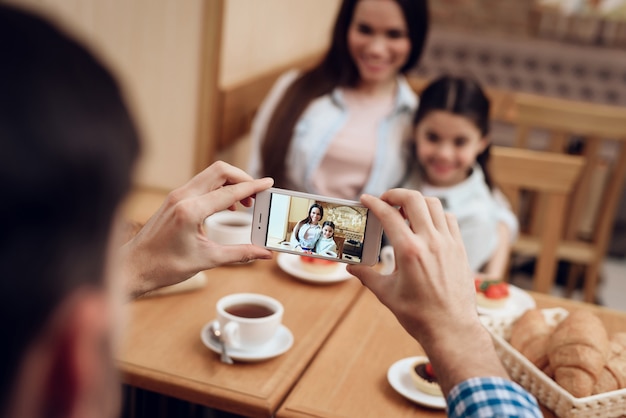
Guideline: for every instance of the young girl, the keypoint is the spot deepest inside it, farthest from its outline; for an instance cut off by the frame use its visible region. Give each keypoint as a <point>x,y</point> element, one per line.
<point>452,149</point>
<point>306,232</point>
<point>326,245</point>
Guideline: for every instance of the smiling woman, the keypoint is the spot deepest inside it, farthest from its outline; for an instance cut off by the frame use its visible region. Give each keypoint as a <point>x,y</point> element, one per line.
<point>355,98</point>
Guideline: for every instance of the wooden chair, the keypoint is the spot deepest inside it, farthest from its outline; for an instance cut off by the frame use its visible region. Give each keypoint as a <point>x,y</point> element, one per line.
<point>339,240</point>
<point>596,197</point>
<point>551,175</point>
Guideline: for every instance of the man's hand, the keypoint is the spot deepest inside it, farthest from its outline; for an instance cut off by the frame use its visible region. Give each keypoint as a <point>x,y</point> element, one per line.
<point>172,246</point>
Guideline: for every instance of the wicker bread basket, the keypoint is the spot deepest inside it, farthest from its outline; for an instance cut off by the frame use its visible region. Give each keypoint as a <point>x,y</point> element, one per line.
<point>547,392</point>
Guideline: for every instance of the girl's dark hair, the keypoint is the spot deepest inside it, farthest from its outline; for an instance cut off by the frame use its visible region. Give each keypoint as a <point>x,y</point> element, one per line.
<point>336,69</point>
<point>329,223</point>
<point>461,96</point>
<point>308,217</point>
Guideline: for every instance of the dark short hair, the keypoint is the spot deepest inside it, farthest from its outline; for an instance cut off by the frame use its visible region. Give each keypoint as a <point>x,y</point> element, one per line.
<point>68,146</point>
<point>462,96</point>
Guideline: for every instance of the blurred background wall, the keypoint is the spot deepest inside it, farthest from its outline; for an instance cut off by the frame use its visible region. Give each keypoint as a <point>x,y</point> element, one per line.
<point>172,57</point>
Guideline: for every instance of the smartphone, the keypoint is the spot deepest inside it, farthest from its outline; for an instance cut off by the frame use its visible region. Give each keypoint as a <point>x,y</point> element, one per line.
<point>316,226</point>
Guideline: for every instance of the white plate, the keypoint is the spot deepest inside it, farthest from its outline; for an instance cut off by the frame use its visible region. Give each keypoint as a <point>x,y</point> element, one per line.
<point>518,303</point>
<point>290,263</point>
<point>399,378</point>
<point>282,341</point>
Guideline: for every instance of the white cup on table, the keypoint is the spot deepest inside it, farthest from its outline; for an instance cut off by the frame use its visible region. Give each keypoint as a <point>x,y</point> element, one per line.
<point>229,228</point>
<point>248,320</point>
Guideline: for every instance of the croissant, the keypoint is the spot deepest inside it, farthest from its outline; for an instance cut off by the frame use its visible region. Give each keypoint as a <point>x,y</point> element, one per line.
<point>529,336</point>
<point>613,375</point>
<point>618,342</point>
<point>578,351</point>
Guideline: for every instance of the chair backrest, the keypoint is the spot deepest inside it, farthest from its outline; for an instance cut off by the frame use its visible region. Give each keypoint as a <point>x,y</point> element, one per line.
<point>599,131</point>
<point>592,125</point>
<point>552,175</point>
<point>339,240</point>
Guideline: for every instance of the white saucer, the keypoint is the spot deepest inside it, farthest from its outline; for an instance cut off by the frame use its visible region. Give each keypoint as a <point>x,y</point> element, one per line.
<point>399,378</point>
<point>282,341</point>
<point>518,303</point>
<point>290,263</point>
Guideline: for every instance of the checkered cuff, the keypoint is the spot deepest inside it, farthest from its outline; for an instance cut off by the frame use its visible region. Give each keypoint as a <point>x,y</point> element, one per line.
<point>491,397</point>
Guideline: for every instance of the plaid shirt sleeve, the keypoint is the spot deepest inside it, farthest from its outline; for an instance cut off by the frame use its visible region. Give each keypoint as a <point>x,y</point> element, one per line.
<point>491,397</point>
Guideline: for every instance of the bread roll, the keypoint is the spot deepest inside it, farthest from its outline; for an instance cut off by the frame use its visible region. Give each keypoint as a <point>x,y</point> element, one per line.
<point>529,336</point>
<point>578,351</point>
<point>613,376</point>
<point>618,342</point>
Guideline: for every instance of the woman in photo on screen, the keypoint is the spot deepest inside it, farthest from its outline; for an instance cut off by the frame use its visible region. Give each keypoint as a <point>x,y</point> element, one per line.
<point>306,232</point>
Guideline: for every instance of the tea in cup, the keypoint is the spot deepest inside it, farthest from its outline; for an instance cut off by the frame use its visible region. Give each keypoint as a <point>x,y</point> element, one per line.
<point>248,320</point>
<point>229,228</point>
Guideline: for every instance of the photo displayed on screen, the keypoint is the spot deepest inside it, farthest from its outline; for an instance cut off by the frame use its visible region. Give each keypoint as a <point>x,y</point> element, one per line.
<point>302,225</point>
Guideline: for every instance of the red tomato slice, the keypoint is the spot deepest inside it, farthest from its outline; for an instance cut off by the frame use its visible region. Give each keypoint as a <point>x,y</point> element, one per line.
<point>429,370</point>
<point>497,291</point>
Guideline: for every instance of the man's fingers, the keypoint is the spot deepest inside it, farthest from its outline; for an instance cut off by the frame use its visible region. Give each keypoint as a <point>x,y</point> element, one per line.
<point>226,197</point>
<point>391,219</point>
<point>368,276</point>
<point>437,214</point>
<point>453,227</point>
<point>413,206</point>
<point>228,254</point>
<point>213,177</point>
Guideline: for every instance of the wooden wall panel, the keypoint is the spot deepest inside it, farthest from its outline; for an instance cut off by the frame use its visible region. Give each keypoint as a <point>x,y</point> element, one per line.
<point>153,46</point>
<point>260,36</point>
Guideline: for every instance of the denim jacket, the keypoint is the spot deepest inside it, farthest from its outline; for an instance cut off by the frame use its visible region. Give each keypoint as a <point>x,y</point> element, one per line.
<point>319,124</point>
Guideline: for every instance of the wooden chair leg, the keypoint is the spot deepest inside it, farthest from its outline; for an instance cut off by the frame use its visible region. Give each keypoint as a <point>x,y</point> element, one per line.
<point>545,269</point>
<point>592,276</point>
<point>573,275</point>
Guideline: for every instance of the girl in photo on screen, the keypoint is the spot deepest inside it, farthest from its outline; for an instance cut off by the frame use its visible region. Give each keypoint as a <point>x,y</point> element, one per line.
<point>326,245</point>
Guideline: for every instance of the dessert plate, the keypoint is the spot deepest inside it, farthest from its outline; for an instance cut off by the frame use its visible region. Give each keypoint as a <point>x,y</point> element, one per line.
<point>282,341</point>
<point>518,303</point>
<point>290,263</point>
<point>399,378</point>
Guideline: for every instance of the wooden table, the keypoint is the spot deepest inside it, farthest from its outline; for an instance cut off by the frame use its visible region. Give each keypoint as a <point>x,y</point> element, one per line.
<point>162,350</point>
<point>345,341</point>
<point>348,378</point>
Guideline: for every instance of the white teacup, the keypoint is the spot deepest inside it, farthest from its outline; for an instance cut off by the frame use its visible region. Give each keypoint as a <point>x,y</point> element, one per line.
<point>249,320</point>
<point>229,228</point>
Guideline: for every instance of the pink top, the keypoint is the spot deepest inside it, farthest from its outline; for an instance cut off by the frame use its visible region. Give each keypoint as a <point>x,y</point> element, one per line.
<point>347,163</point>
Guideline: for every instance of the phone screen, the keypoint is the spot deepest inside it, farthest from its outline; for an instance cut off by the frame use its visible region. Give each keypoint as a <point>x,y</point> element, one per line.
<point>306,225</point>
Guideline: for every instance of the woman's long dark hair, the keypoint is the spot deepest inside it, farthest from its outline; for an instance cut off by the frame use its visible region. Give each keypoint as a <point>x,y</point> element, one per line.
<point>335,69</point>
<point>461,96</point>
<point>308,219</point>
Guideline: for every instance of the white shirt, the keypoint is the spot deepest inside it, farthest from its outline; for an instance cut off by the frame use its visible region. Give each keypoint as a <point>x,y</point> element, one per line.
<point>478,211</point>
<point>325,245</point>
<point>308,235</point>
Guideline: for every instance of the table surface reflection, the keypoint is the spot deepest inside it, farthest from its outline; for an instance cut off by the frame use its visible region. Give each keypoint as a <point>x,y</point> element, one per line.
<point>162,350</point>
